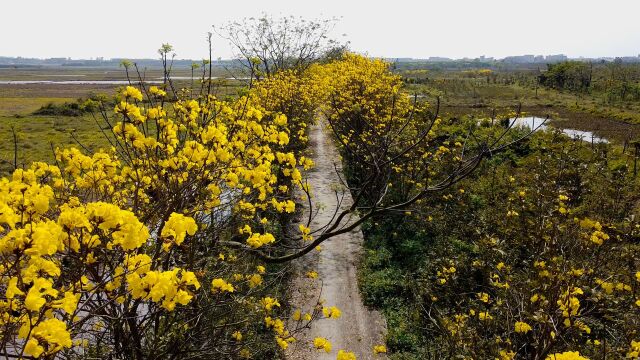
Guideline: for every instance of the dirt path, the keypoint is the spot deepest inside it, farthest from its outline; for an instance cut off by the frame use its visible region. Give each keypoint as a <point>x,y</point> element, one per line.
<point>359,329</point>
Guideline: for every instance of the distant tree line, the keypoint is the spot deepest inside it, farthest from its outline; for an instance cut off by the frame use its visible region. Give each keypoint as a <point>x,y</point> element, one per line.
<point>617,81</point>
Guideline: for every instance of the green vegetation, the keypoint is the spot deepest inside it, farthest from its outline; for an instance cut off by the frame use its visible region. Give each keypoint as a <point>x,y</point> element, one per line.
<point>37,136</point>
<point>49,115</point>
<point>536,252</point>
<point>568,75</point>
<point>21,106</point>
<point>45,116</point>
<point>77,108</point>
<point>601,97</point>
<point>429,271</point>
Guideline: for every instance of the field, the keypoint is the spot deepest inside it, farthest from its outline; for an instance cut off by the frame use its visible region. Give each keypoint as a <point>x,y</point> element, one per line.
<point>462,90</point>
<point>38,135</point>
<point>469,90</point>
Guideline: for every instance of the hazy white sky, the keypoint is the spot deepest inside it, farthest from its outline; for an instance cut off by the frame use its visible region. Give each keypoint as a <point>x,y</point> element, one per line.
<point>399,28</point>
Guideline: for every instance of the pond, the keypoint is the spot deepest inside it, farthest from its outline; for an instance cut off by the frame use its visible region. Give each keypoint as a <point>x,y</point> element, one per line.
<point>533,122</point>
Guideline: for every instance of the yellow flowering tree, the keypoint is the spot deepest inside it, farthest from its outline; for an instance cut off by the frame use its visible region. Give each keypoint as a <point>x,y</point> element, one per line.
<point>123,251</point>
<point>535,256</point>
<point>167,243</point>
<point>382,133</point>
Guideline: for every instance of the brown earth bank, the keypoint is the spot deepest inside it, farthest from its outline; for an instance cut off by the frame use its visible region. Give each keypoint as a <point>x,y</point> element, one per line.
<point>561,117</point>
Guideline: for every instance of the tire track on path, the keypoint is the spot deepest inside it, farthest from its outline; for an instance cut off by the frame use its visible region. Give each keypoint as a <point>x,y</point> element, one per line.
<point>358,329</point>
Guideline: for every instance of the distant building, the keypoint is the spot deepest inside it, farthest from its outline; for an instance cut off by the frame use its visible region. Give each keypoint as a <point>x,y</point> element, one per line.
<point>439,59</point>
<point>556,58</point>
<point>530,59</point>
<point>483,58</point>
<point>404,59</point>
<point>55,60</point>
<point>522,59</point>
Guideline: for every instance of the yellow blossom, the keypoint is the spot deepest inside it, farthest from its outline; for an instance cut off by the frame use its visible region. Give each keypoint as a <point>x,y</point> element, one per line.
<point>268,303</point>
<point>176,229</point>
<point>345,355</point>
<point>237,335</point>
<point>568,355</point>
<point>322,344</point>
<point>379,349</point>
<point>331,312</point>
<point>522,327</point>
<point>221,286</point>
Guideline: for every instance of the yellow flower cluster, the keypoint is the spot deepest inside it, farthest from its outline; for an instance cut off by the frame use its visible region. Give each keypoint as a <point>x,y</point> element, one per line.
<point>634,350</point>
<point>169,287</point>
<point>345,355</point>
<point>269,303</point>
<point>379,349</point>
<point>568,355</point>
<point>522,327</point>
<point>321,343</point>
<point>176,228</point>
<point>130,92</point>
<point>331,312</point>
<point>219,285</point>
<point>51,333</point>
<point>597,236</point>
<point>154,90</point>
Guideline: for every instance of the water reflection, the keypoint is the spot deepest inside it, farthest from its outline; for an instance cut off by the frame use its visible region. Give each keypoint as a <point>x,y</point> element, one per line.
<point>533,122</point>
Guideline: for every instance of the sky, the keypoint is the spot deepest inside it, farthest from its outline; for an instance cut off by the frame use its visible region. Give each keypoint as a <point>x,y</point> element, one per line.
<point>395,29</point>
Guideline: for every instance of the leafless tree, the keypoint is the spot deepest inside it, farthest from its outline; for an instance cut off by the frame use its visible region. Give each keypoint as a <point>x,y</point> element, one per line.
<point>266,45</point>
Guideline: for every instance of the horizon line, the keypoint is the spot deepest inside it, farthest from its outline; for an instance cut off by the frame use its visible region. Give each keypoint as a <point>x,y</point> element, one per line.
<point>220,59</point>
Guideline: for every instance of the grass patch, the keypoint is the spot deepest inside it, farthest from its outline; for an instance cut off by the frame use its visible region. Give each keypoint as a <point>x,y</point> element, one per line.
<point>12,106</point>
<point>38,134</point>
